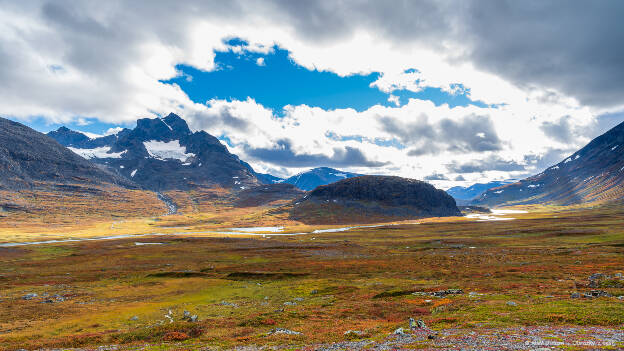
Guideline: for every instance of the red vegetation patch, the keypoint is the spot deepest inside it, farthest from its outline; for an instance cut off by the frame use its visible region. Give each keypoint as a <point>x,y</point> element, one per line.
<point>269,321</point>
<point>175,336</point>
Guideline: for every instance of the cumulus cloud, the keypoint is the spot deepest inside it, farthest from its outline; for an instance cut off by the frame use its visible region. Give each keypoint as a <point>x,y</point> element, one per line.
<point>492,163</point>
<point>436,176</point>
<point>283,154</point>
<point>560,130</point>
<point>471,133</point>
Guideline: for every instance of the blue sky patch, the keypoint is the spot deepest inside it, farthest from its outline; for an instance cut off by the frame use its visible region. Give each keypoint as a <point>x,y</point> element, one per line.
<point>278,81</point>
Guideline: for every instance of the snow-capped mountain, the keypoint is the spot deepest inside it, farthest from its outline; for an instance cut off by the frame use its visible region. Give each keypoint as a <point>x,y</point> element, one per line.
<point>309,180</point>
<point>595,173</point>
<point>162,154</point>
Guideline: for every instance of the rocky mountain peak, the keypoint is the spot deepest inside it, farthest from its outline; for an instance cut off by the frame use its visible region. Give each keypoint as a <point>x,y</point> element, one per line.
<point>163,153</point>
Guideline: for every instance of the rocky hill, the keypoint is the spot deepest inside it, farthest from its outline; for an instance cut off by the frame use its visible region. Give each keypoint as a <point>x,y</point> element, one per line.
<point>315,177</point>
<point>163,154</point>
<point>29,159</point>
<point>595,173</point>
<point>373,199</point>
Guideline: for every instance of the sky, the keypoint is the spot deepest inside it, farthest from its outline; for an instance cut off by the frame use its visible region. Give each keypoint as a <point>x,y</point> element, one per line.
<point>452,92</point>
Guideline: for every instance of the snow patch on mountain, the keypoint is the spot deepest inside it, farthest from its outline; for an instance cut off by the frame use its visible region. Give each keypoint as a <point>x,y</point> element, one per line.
<point>98,152</point>
<point>167,150</point>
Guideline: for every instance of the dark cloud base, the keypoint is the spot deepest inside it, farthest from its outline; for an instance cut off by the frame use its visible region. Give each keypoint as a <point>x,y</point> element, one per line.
<point>283,155</point>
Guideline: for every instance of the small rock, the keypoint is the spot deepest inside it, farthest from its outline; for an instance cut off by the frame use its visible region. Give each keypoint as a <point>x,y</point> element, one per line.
<point>284,331</point>
<point>597,276</point>
<point>298,299</point>
<point>511,303</point>
<point>618,275</point>
<point>353,333</point>
<point>134,318</point>
<point>575,295</point>
<point>431,336</point>
<point>193,318</point>
<point>399,331</point>
<point>454,291</point>
<point>288,303</point>
<point>29,296</point>
<point>186,315</point>
<point>599,293</point>
<point>231,304</point>
<point>412,323</point>
<point>421,324</point>
<point>314,292</point>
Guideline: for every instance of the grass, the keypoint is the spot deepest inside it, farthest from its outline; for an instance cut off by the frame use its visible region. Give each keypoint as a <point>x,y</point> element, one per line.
<point>320,284</point>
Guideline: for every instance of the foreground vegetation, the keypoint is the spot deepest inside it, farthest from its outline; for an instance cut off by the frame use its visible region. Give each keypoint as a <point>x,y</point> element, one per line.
<point>134,291</point>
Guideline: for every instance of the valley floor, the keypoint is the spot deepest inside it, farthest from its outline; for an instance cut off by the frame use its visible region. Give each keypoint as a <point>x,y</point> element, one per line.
<point>551,279</point>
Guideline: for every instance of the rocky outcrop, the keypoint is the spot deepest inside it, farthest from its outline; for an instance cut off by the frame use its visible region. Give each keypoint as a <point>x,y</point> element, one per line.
<point>373,199</point>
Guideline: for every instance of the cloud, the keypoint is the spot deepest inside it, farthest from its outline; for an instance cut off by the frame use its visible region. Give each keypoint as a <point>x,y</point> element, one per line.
<point>529,43</point>
<point>560,130</point>
<point>492,163</point>
<point>460,178</point>
<point>283,154</point>
<point>549,157</point>
<point>67,60</point>
<point>472,133</point>
<point>436,176</point>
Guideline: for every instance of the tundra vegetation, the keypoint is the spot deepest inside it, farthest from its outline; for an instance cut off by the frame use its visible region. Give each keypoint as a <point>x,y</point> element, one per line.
<point>551,266</point>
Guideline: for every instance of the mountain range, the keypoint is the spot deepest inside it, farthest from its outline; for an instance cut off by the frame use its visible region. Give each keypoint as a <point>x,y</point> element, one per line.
<point>163,154</point>
<point>315,177</point>
<point>464,195</point>
<point>594,173</point>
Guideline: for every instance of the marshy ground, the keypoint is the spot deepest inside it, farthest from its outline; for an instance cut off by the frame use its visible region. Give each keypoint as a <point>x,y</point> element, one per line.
<point>546,279</point>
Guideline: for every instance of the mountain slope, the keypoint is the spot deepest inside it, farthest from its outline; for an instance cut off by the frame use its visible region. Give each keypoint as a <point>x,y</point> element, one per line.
<point>315,177</point>
<point>595,173</point>
<point>163,154</point>
<point>466,194</point>
<point>29,158</point>
<point>373,199</point>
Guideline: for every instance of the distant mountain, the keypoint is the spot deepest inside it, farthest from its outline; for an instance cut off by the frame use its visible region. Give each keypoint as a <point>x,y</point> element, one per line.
<point>163,154</point>
<point>373,199</point>
<point>466,194</point>
<point>595,173</point>
<point>71,138</point>
<point>266,178</point>
<point>315,177</point>
<point>29,159</point>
